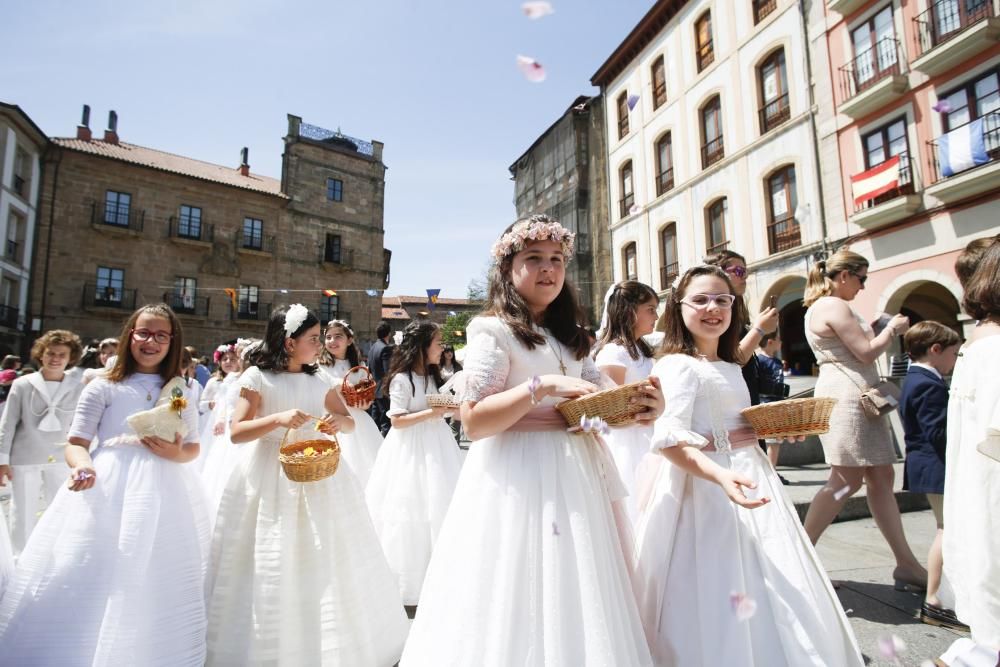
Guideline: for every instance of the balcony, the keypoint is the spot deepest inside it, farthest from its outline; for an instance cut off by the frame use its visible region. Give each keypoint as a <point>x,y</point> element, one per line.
<point>187,305</point>
<point>116,216</point>
<point>712,152</point>
<point>12,251</point>
<point>665,181</point>
<point>625,205</point>
<point>668,273</point>
<point>325,317</point>
<point>8,317</point>
<point>253,311</point>
<point>336,260</point>
<point>951,32</point>
<point>256,243</point>
<point>762,9</point>
<point>897,204</point>
<point>718,247</point>
<point>970,182</point>
<point>108,296</point>
<point>845,7</point>
<point>873,79</point>
<point>783,234</point>
<point>189,229</point>
<point>774,113</point>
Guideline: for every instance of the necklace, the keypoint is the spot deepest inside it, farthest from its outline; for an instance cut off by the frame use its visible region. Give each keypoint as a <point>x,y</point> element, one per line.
<point>555,350</point>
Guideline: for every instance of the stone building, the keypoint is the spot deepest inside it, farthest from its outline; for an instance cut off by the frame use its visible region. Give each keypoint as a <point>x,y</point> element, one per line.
<point>563,174</point>
<point>122,225</point>
<point>22,144</point>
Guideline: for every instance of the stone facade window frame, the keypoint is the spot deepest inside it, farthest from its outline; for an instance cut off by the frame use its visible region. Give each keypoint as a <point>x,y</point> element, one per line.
<point>334,249</point>
<point>253,233</point>
<point>189,222</point>
<point>334,189</point>
<point>658,74</point>
<point>329,309</point>
<point>630,261</point>
<point>110,285</point>
<point>117,208</point>
<point>248,300</point>
<point>622,106</point>
<point>716,239</point>
<point>704,49</point>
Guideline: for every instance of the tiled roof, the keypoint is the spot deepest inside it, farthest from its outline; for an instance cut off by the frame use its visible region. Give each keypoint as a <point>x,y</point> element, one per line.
<point>177,164</point>
<point>391,301</point>
<point>394,314</point>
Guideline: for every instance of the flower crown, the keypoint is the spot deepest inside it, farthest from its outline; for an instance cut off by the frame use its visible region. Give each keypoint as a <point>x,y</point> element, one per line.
<point>296,315</point>
<point>221,350</point>
<point>535,228</point>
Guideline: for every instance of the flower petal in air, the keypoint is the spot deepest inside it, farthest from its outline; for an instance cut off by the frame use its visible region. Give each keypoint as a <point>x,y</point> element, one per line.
<point>531,69</point>
<point>744,606</point>
<point>632,101</point>
<point>891,647</point>
<point>840,493</point>
<point>537,9</point>
<point>942,106</point>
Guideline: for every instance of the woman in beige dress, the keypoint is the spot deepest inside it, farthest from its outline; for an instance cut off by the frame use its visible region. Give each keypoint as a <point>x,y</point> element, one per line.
<point>858,448</point>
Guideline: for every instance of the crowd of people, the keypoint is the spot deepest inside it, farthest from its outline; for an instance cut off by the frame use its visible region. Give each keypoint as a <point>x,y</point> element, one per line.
<point>666,541</point>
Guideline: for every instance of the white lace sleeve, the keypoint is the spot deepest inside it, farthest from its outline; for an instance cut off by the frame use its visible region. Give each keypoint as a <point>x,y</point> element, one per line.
<point>680,382</point>
<point>590,372</point>
<point>400,393</point>
<point>487,361</point>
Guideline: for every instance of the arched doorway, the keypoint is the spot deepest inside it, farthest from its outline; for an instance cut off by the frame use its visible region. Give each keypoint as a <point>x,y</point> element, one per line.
<point>789,291</point>
<point>929,300</point>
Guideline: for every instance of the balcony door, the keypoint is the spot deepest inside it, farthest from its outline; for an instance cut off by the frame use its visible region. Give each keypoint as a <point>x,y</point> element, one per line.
<point>874,44</point>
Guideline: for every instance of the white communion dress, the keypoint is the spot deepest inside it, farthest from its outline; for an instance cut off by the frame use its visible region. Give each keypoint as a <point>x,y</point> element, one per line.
<point>412,484</point>
<point>114,575</point>
<point>529,568</point>
<point>359,448</point>
<point>221,456</point>
<point>696,548</point>
<point>297,574</point>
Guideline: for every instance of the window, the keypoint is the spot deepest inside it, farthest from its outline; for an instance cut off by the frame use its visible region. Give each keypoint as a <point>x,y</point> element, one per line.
<point>659,75</point>
<point>248,302</point>
<point>704,52</point>
<point>334,189</point>
<point>189,222</point>
<point>110,286</point>
<point>884,143</point>
<point>875,56</point>
<point>782,228</point>
<point>773,83</point>
<point>185,290</point>
<point>628,195</point>
<point>715,225</point>
<point>979,98</point>
<point>664,165</point>
<point>253,234</point>
<point>948,17</point>
<point>16,224</point>
<point>762,8</point>
<point>629,262</point>
<point>712,149</point>
<point>333,250</point>
<point>116,208</point>
<point>329,309</point>
<point>22,172</point>
<point>623,115</point>
<point>669,266</point>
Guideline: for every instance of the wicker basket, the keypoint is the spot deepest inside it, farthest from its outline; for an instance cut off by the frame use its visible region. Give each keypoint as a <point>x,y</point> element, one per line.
<point>360,393</point>
<point>443,401</point>
<point>611,405</point>
<point>794,417</point>
<point>301,468</point>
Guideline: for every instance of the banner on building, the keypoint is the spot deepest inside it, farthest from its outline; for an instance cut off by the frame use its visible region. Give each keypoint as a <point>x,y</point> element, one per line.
<point>432,298</point>
<point>876,181</point>
<point>962,148</point>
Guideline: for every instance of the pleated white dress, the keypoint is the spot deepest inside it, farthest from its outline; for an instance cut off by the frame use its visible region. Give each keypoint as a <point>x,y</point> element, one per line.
<point>114,575</point>
<point>529,568</point>
<point>220,455</point>
<point>695,547</point>
<point>411,484</point>
<point>297,574</point>
<point>359,448</point>
<point>6,557</point>
<point>628,444</point>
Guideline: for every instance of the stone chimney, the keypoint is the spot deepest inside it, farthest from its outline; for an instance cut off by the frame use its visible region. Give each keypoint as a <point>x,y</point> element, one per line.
<point>245,161</point>
<point>83,129</point>
<point>111,134</point>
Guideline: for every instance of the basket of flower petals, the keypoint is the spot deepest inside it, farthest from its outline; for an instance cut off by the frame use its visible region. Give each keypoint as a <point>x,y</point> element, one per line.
<point>361,393</point>
<point>443,401</point>
<point>613,406</point>
<point>309,460</point>
<point>791,418</point>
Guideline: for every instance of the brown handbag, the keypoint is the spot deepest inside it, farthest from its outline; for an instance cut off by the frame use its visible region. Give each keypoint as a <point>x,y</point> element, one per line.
<point>876,401</point>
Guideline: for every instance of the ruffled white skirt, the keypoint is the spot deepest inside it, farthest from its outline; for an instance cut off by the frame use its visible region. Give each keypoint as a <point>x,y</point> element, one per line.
<point>408,496</point>
<point>695,548</point>
<point>221,457</point>
<point>360,448</point>
<point>628,446</point>
<point>6,557</point>
<point>113,575</point>
<point>528,569</point>
<point>297,575</point>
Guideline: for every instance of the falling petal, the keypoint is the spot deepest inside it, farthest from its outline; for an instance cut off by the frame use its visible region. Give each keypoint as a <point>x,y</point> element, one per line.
<point>635,208</point>
<point>555,529</point>
<point>848,611</point>
<point>891,647</point>
<point>371,292</point>
<point>52,459</point>
<point>743,605</point>
<point>537,9</point>
<point>942,106</point>
<point>583,423</point>
<point>841,493</point>
<point>632,101</point>
<point>531,68</point>
<point>38,513</point>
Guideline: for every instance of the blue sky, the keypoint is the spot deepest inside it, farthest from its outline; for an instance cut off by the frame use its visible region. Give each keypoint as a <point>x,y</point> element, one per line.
<point>435,81</point>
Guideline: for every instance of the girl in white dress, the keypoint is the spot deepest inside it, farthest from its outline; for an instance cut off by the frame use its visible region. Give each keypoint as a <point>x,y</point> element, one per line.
<point>417,468</point>
<point>340,355</point>
<point>297,575</point>
<point>622,355</point>
<point>227,362</point>
<point>725,573</point>
<point>221,456</point>
<point>33,430</point>
<point>114,572</point>
<point>529,568</point>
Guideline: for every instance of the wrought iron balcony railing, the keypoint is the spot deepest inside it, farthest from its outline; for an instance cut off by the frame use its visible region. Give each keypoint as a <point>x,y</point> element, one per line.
<point>947,19</point>
<point>783,234</point>
<point>712,152</point>
<point>117,215</point>
<point>869,67</point>
<point>774,113</point>
<point>8,316</point>
<point>108,296</point>
<point>991,141</point>
<point>251,310</point>
<point>184,304</point>
<point>665,181</point>
<point>190,229</point>
<point>904,187</point>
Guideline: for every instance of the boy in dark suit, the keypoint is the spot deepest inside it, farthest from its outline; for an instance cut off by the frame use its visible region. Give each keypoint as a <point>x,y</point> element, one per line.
<point>379,355</point>
<point>923,408</point>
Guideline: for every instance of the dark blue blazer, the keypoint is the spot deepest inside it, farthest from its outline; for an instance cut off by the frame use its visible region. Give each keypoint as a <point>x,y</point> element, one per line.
<point>923,407</point>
